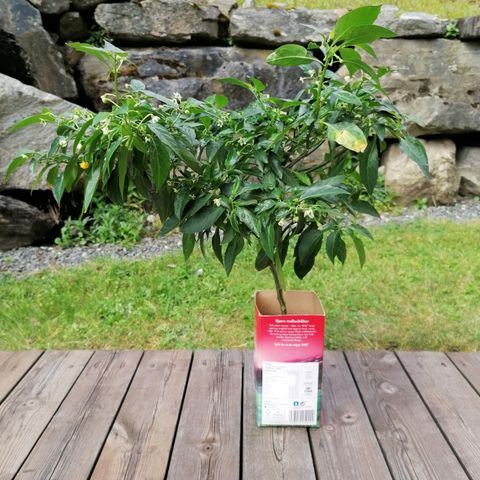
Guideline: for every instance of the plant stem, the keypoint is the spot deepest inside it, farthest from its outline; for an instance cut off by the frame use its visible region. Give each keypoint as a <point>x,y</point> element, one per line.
<point>279,287</point>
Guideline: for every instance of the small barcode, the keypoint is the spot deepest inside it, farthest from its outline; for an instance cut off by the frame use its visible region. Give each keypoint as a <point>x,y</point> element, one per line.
<point>302,416</point>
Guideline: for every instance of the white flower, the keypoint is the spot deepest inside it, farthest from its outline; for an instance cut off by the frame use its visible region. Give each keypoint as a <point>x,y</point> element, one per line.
<point>151,218</point>
<point>282,223</point>
<point>177,96</point>
<point>105,130</point>
<point>79,147</point>
<point>62,142</point>
<point>217,202</point>
<point>309,213</point>
<point>155,119</point>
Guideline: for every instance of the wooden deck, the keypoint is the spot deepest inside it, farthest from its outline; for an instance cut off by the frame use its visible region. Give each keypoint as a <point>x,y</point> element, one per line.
<point>74,415</point>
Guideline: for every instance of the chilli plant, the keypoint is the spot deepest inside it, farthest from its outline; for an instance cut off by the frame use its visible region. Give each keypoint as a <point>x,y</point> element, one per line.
<point>231,177</point>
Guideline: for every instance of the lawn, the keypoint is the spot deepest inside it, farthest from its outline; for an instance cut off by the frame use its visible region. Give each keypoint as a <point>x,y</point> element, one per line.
<point>418,290</point>
<point>444,8</point>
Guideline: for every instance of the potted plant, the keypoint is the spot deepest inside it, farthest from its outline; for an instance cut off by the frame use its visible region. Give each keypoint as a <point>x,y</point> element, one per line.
<point>234,177</point>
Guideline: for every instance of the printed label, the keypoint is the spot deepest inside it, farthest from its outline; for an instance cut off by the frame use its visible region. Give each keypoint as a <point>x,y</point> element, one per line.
<point>290,392</point>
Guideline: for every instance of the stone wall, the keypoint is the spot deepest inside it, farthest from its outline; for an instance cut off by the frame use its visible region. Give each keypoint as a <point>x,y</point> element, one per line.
<point>186,46</point>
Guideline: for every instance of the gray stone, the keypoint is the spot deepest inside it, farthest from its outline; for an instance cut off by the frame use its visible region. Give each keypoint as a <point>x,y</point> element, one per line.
<point>435,83</point>
<point>404,178</point>
<point>468,166</point>
<point>73,27</point>
<point>193,72</point>
<point>225,7</point>
<point>21,224</point>
<point>411,24</point>
<point>27,51</point>
<point>85,4</point>
<point>167,21</point>
<point>18,101</point>
<point>469,28</point>
<point>51,7</point>
<point>277,26</point>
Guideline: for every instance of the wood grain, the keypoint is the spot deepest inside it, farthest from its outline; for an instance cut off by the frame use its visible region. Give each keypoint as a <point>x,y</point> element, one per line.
<point>139,444</point>
<point>271,453</point>
<point>452,401</point>
<point>13,366</point>
<point>469,364</point>
<point>345,447</point>
<point>28,409</point>
<point>207,445</point>
<point>411,441</point>
<point>73,439</point>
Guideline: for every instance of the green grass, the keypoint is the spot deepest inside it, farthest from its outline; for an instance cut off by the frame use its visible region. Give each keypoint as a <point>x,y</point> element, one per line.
<point>418,290</point>
<point>444,8</point>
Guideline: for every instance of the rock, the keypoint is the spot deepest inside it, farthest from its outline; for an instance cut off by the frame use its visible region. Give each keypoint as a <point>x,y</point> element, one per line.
<point>435,83</point>
<point>73,27</point>
<point>225,6</point>
<point>469,28</point>
<point>21,224</point>
<point>468,167</point>
<point>404,178</point>
<point>85,4</point>
<point>17,101</point>
<point>167,21</point>
<point>411,24</point>
<point>51,7</point>
<point>193,72</point>
<point>277,26</point>
<point>27,51</point>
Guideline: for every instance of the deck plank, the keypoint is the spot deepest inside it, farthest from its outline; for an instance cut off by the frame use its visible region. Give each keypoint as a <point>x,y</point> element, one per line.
<point>271,453</point>
<point>207,443</point>
<point>72,441</point>
<point>28,409</point>
<point>139,444</point>
<point>13,366</point>
<point>412,443</point>
<point>346,446</point>
<point>469,364</point>
<point>452,401</point>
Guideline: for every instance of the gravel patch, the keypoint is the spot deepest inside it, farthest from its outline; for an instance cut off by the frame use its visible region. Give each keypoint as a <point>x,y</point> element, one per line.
<point>26,260</point>
<point>22,261</point>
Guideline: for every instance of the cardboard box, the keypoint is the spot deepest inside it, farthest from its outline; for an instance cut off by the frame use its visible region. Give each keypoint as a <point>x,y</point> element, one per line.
<point>288,359</point>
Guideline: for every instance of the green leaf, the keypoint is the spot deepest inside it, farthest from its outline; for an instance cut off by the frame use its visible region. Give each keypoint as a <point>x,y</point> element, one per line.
<point>122,166</point>
<point>45,116</point>
<point>217,245</point>
<point>202,220</point>
<point>359,16</point>
<point>348,135</point>
<point>369,167</point>
<point>188,243</point>
<point>335,247</point>
<point>90,188</point>
<point>160,165</point>
<point>259,86</point>
<point>237,82</point>
<point>247,218</point>
<point>360,250</point>
<point>262,261</point>
<point>364,207</point>
<point>414,149</point>
<point>267,240</point>
<point>328,189</point>
<point>15,164</point>
<point>289,56</point>
<point>181,201</point>
<point>364,34</point>
<point>347,97</point>
<point>308,245</point>
<point>59,188</point>
<point>233,249</point>
<point>169,225</point>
